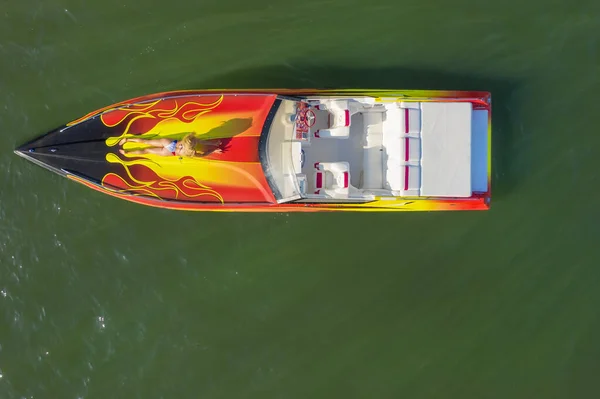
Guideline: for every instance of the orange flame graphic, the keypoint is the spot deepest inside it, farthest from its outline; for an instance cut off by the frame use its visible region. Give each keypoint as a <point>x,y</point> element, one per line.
<point>141,179</point>
<point>142,118</point>
<point>132,101</point>
<point>235,175</point>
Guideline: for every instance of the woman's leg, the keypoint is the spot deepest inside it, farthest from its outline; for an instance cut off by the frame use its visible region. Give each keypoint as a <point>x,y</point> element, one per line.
<point>153,142</point>
<point>154,150</point>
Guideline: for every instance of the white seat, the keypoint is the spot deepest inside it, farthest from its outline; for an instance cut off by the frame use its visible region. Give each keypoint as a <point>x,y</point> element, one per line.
<point>412,180</point>
<point>334,119</point>
<point>412,121</point>
<point>447,147</point>
<point>411,117</point>
<point>412,149</point>
<point>402,144</point>
<point>403,178</point>
<point>373,153</point>
<point>332,179</point>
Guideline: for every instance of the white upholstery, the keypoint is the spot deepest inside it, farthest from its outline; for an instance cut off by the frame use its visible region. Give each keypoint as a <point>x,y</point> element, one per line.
<point>446,138</point>
<point>403,178</point>
<point>340,114</point>
<point>336,123</point>
<point>332,179</point>
<point>412,180</point>
<point>402,144</point>
<point>402,148</point>
<point>412,121</point>
<point>412,148</point>
<point>373,151</point>
<point>393,135</point>
<point>410,104</point>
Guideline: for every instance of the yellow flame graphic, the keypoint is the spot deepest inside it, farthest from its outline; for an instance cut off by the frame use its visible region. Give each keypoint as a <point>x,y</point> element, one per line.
<point>166,116</point>
<point>162,183</point>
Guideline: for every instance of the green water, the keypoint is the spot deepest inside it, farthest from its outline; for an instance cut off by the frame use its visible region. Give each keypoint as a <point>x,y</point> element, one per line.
<point>106,299</point>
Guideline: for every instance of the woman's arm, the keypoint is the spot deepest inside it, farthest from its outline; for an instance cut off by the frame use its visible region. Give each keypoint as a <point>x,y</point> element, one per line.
<point>211,143</point>
<point>203,153</point>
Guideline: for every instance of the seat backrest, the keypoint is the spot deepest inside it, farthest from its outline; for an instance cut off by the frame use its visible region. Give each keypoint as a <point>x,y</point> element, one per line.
<point>332,179</point>
<point>411,117</point>
<point>412,121</point>
<point>402,144</point>
<point>403,178</point>
<point>412,180</point>
<point>373,153</point>
<point>334,119</point>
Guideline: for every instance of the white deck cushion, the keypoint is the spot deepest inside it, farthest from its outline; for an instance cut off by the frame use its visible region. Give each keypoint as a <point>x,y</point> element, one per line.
<point>446,160</point>
<point>373,151</point>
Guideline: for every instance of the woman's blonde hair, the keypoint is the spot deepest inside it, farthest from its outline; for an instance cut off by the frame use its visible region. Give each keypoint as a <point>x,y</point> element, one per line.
<point>188,145</point>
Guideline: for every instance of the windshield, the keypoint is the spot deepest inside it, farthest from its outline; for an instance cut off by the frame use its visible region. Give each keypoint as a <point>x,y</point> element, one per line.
<point>281,151</point>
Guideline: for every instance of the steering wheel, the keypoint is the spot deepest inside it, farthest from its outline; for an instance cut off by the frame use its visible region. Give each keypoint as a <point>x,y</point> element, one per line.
<point>310,118</point>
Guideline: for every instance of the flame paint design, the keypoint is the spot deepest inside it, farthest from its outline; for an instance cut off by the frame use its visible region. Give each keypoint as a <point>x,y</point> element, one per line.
<point>222,178</point>
<point>471,204</point>
<point>234,176</point>
<point>146,116</point>
<point>131,101</point>
<point>150,183</point>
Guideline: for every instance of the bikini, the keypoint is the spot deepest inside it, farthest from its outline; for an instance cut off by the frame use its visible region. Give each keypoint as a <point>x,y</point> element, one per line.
<point>172,146</point>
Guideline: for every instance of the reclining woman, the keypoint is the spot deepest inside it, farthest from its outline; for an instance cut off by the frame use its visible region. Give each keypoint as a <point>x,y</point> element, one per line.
<point>190,146</point>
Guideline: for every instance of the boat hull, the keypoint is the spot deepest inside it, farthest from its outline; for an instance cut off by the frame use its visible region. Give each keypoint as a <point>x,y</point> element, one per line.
<point>78,151</point>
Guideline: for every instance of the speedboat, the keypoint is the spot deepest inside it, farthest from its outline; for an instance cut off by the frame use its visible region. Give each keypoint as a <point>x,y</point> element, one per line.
<point>284,150</point>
